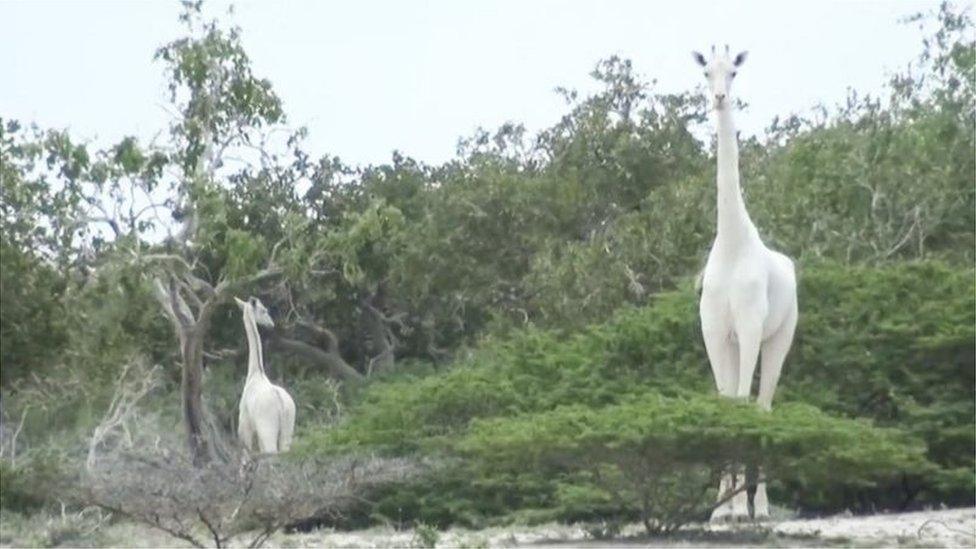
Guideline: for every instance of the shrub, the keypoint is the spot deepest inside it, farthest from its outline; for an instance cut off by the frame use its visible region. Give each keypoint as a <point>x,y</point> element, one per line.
<point>48,529</point>
<point>892,344</point>
<point>425,536</point>
<point>226,500</point>
<point>36,480</point>
<point>663,455</point>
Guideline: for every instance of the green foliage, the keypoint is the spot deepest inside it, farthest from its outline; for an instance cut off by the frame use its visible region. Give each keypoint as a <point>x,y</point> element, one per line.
<point>536,370</point>
<point>905,330</point>
<point>37,480</point>
<point>901,338</point>
<point>219,97</point>
<point>538,284</point>
<point>425,536</point>
<point>32,327</point>
<point>663,455</point>
<point>244,252</point>
<point>366,242</point>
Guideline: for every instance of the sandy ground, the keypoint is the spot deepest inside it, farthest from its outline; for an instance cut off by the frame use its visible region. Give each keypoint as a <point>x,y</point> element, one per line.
<point>937,528</point>
<point>949,528</point>
<point>942,528</point>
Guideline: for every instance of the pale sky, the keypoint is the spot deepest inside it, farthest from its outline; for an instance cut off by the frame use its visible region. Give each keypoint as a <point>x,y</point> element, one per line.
<point>371,77</point>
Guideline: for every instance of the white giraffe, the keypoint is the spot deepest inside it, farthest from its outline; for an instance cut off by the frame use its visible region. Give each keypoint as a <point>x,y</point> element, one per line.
<point>748,300</point>
<point>267,411</point>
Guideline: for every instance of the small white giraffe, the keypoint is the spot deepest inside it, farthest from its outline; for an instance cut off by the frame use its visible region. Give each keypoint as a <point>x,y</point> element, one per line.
<point>748,301</point>
<point>267,411</point>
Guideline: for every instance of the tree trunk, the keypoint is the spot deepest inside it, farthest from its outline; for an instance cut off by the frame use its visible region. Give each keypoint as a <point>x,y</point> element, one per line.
<point>192,388</point>
<point>203,436</point>
<point>380,338</point>
<point>376,325</point>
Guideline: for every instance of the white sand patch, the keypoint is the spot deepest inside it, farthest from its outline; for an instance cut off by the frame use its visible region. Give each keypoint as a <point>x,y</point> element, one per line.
<point>938,528</point>
<point>945,528</point>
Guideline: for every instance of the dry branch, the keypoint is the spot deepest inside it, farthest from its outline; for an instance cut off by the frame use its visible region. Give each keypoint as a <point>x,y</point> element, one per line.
<point>336,367</point>
<point>128,393</point>
<point>232,499</point>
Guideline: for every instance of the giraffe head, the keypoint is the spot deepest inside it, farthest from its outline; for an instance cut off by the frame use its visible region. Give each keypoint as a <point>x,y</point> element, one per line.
<point>258,311</point>
<point>720,70</point>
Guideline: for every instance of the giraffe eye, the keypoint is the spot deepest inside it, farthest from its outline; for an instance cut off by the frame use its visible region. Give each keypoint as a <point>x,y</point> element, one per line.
<point>733,74</point>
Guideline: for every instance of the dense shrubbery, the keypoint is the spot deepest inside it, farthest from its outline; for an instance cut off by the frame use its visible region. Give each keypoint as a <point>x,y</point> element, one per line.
<point>894,345</point>
<point>865,332</point>
<point>534,281</point>
<point>663,456</point>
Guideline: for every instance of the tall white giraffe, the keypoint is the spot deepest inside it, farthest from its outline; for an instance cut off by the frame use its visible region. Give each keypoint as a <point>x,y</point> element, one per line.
<point>748,302</point>
<point>267,411</point>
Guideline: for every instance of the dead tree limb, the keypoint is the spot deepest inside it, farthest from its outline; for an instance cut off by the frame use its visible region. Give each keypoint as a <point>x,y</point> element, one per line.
<point>128,393</point>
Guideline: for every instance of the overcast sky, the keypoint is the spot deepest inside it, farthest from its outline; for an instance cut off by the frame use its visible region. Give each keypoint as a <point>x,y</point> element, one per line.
<point>370,77</point>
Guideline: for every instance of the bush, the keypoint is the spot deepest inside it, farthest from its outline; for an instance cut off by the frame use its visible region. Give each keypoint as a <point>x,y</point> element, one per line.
<point>35,481</point>
<point>222,501</point>
<point>892,344</point>
<point>48,529</point>
<point>425,536</point>
<point>663,456</point>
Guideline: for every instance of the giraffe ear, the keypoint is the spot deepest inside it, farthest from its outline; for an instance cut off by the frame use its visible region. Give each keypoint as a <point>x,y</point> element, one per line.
<point>740,59</point>
<point>240,303</point>
<point>699,58</point>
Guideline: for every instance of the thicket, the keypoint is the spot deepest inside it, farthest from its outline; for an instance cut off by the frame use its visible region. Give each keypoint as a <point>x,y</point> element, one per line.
<point>546,275</point>
<point>892,344</point>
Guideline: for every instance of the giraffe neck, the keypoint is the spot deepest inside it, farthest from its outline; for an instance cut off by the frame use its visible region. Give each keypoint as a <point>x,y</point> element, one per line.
<point>255,357</point>
<point>734,225</point>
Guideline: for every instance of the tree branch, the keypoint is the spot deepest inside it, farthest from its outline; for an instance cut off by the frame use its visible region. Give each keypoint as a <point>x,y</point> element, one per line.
<point>163,297</point>
<point>228,287</point>
<point>335,365</point>
<point>180,309</point>
<point>192,295</point>
<point>331,341</point>
<point>198,284</point>
<point>166,258</point>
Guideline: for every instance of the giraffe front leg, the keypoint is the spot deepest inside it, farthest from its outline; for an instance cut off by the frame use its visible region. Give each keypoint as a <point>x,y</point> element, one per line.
<point>723,512</point>
<point>735,507</point>
<point>760,502</point>
<point>740,501</point>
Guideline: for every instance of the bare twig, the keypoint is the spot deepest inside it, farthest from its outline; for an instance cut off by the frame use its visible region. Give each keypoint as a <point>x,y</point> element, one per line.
<point>214,532</point>
<point>128,393</point>
<point>13,439</point>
